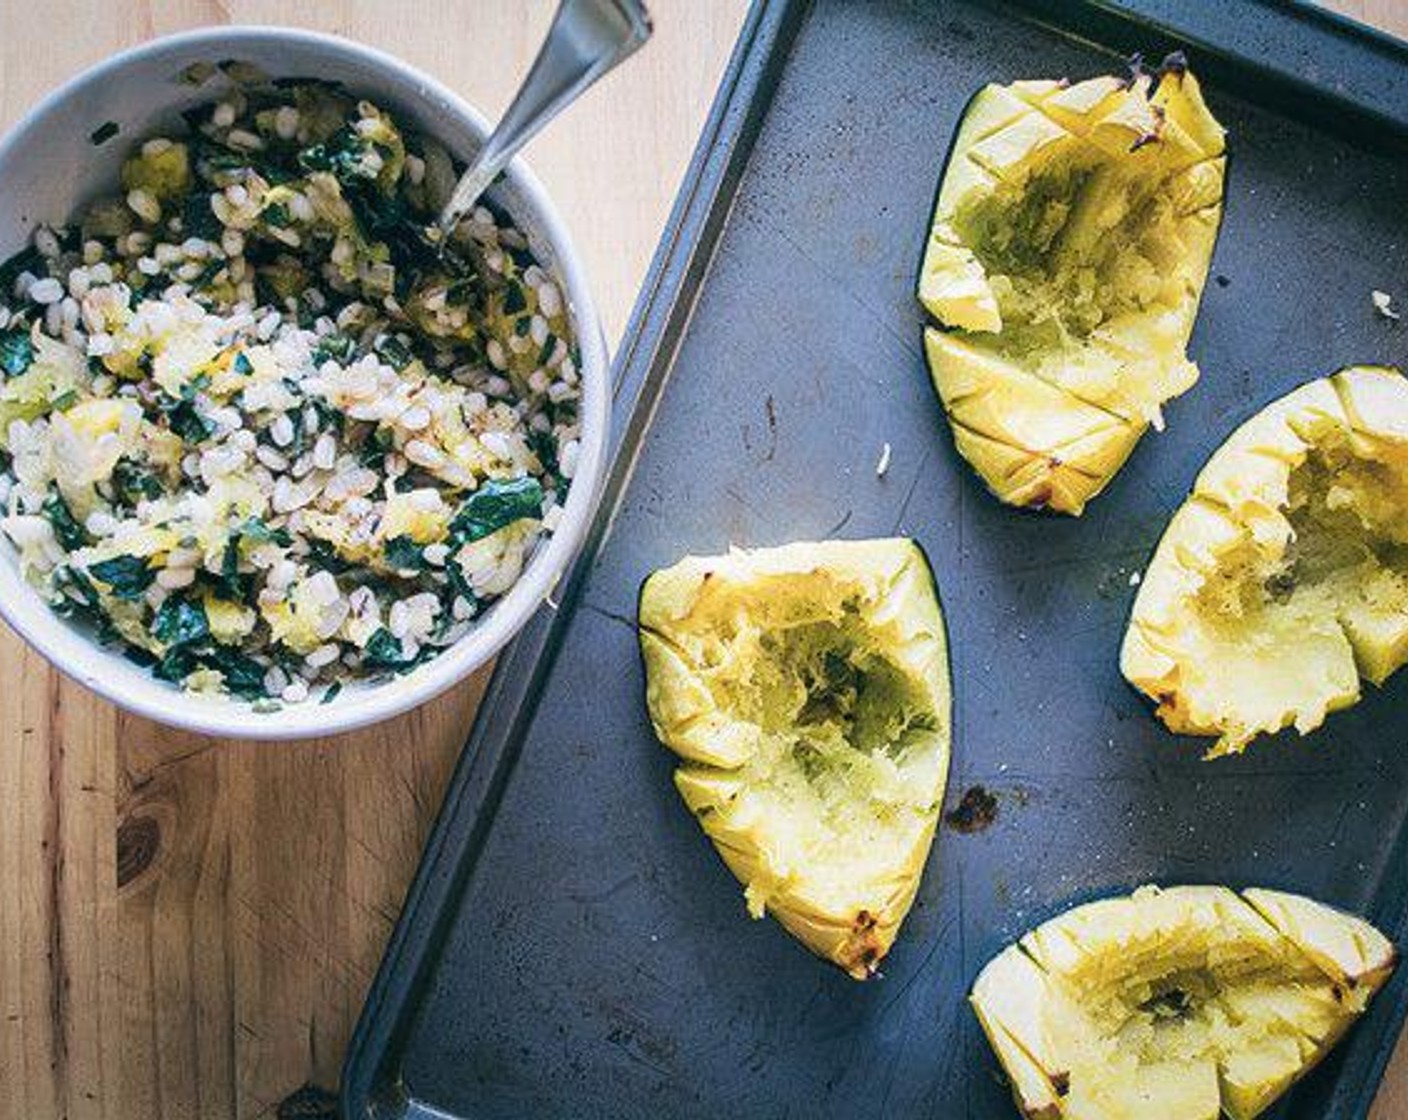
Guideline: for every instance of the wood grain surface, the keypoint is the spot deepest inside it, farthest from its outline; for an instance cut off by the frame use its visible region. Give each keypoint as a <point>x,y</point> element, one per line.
<point>187,926</point>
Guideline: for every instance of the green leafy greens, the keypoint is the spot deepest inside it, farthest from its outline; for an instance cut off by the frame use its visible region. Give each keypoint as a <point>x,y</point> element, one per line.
<point>494,505</point>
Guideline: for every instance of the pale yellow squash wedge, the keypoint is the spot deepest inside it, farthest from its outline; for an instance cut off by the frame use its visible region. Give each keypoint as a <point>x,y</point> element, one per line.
<point>1188,1003</point>
<point>1066,258</point>
<point>806,690</point>
<point>1283,579</point>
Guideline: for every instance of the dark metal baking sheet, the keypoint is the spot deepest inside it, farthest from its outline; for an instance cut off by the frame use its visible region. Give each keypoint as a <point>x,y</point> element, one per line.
<point>572,947</point>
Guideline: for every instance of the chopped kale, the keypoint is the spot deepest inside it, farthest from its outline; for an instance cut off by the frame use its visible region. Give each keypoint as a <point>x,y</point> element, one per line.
<point>340,155</point>
<point>393,351</point>
<point>78,599</point>
<point>384,651</point>
<point>323,555</point>
<point>336,347</point>
<point>459,585</point>
<point>208,274</point>
<point>64,401</point>
<point>16,351</point>
<point>403,554</point>
<point>242,365</point>
<point>196,116</point>
<point>386,218</point>
<point>216,159</point>
<point>198,219</point>
<point>523,258</point>
<point>544,448</point>
<point>280,167</point>
<point>103,133</point>
<point>242,73</point>
<point>77,587</point>
<point>231,584</point>
<point>244,677</point>
<point>254,529</point>
<point>380,215</point>
<point>127,576</point>
<point>514,300</point>
<point>176,664</point>
<point>135,481</point>
<point>179,621</point>
<point>293,83</point>
<point>199,383</point>
<point>329,417</point>
<point>67,530</point>
<point>183,418</point>
<point>496,504</point>
<point>196,74</point>
<point>371,454</point>
<point>26,260</point>
<point>332,692</point>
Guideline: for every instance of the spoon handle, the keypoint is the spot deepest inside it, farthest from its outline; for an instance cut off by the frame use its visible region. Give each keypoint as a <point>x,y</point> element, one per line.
<point>587,38</point>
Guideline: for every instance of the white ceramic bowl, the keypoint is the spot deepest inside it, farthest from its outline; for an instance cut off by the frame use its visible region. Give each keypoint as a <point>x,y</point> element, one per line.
<point>49,167</point>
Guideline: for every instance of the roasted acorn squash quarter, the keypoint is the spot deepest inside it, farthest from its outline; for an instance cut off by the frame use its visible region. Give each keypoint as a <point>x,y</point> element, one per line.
<point>806,690</point>
<point>1283,579</point>
<point>1178,1004</point>
<point>1068,251</point>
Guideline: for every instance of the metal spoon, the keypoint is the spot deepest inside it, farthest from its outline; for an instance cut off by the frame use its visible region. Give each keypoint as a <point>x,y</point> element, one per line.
<point>587,38</point>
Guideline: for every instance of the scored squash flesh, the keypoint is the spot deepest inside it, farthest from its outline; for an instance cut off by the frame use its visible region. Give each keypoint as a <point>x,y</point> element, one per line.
<point>1177,1004</point>
<point>1068,251</point>
<point>1283,579</point>
<point>806,690</point>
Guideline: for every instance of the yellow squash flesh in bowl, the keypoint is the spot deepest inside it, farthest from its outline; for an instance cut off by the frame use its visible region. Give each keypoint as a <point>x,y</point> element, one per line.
<point>806,691</point>
<point>1283,579</point>
<point>1180,1004</point>
<point>1068,251</point>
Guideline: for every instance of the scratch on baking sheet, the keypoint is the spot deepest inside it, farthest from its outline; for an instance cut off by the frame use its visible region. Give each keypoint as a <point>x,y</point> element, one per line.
<point>629,623</point>
<point>606,892</point>
<point>906,343</point>
<point>940,935</point>
<point>845,520</point>
<point>732,492</point>
<point>909,494</point>
<point>1337,828</point>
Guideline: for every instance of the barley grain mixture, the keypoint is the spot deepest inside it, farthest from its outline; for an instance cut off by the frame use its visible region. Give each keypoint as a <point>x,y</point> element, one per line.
<point>256,428</point>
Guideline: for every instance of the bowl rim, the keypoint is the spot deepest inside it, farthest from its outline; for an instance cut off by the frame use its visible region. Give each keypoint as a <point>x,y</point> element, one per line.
<point>81,658</point>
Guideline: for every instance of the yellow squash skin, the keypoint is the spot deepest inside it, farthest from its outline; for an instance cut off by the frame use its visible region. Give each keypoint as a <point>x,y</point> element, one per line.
<point>806,691</point>
<point>1283,579</point>
<point>1180,1004</point>
<point>1067,255</point>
